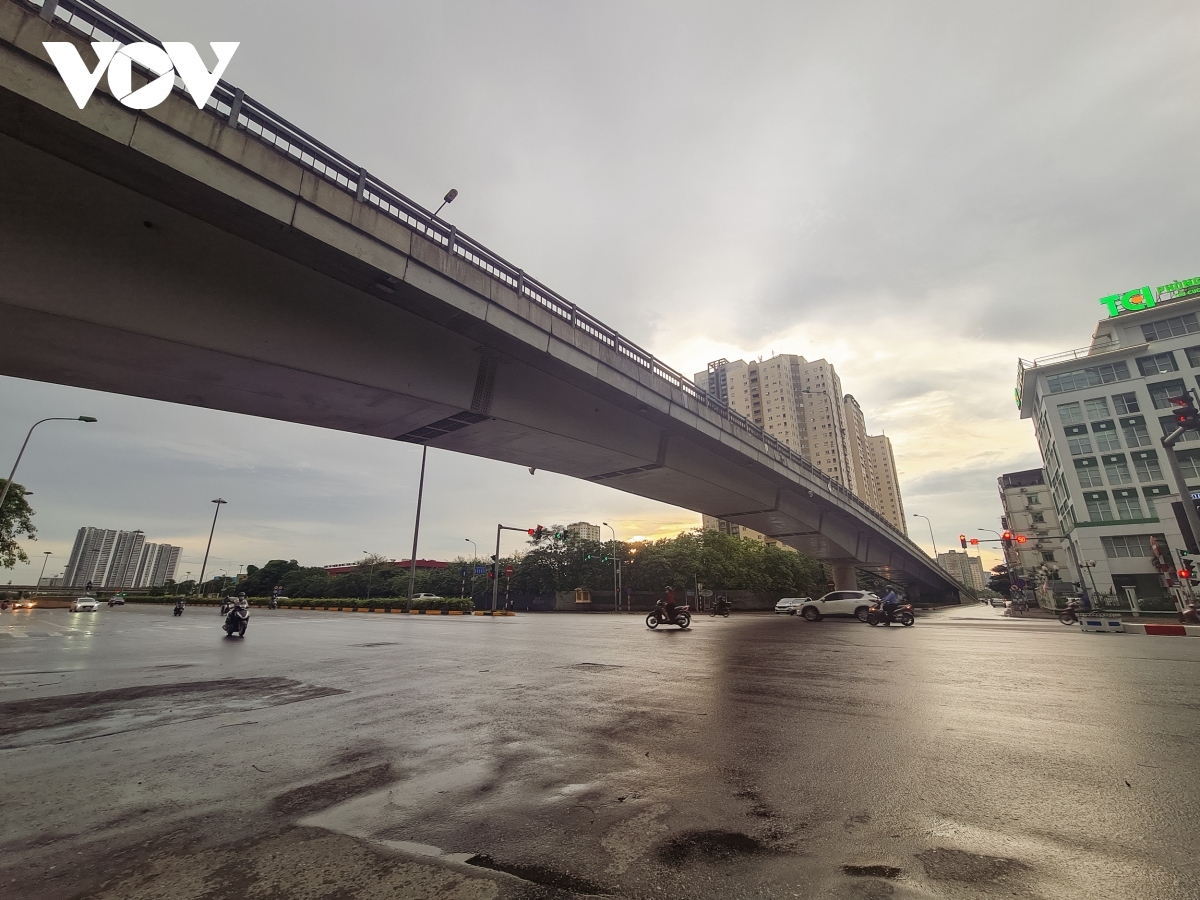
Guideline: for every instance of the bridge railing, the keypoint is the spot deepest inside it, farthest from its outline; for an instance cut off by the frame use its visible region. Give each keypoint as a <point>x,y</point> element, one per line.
<point>94,21</point>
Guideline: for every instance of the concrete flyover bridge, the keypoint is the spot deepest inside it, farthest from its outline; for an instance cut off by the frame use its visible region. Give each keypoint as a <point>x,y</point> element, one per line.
<point>221,257</point>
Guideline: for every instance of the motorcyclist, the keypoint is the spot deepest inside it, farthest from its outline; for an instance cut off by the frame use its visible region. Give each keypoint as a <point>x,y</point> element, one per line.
<point>669,604</point>
<point>1191,614</point>
<point>889,603</point>
<point>722,605</point>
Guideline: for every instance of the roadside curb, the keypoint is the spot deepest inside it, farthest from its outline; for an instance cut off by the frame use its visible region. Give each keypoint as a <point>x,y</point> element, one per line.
<point>1162,629</point>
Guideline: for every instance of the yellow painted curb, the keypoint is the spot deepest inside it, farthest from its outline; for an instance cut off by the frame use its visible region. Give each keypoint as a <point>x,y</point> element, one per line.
<point>481,612</point>
<point>414,612</point>
<point>455,612</point>
<point>379,610</point>
<point>432,612</point>
<point>397,610</point>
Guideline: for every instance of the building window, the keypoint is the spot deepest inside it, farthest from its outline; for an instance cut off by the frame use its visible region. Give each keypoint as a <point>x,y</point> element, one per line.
<point>1161,392</point>
<point>1147,467</point>
<point>1097,408</point>
<point>1128,507</point>
<point>1070,413</point>
<point>1048,556</point>
<point>1177,326</point>
<point>1193,356</point>
<point>1189,463</point>
<point>1088,474</point>
<point>1129,546</point>
<point>1158,364</point>
<point>1079,445</point>
<point>1107,440</point>
<point>1031,499</point>
<point>1125,403</point>
<point>1117,470</point>
<point>1092,376</point>
<point>1038,517</point>
<point>1097,507</point>
<point>1136,434</point>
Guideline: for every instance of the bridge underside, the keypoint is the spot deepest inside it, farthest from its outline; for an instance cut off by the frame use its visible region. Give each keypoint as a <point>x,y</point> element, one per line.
<point>126,274</point>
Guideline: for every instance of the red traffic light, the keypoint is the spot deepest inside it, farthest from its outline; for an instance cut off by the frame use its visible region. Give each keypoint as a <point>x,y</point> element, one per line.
<point>974,542</point>
<point>962,539</point>
<point>1184,573</point>
<point>1021,539</point>
<point>529,531</point>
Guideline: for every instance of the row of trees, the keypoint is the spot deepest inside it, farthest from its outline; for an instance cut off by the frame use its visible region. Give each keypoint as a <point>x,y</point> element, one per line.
<point>717,560</point>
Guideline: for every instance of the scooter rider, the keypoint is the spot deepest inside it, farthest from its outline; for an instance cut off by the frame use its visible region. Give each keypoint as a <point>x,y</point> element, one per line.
<point>889,603</point>
<point>670,604</point>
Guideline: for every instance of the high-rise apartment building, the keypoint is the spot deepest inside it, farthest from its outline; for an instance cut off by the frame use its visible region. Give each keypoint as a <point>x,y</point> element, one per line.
<point>801,404</point>
<point>585,531</point>
<point>117,560</point>
<point>885,480</point>
<point>966,569</point>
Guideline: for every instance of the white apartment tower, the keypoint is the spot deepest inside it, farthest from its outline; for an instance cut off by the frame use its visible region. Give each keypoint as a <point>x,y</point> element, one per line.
<point>118,560</point>
<point>967,569</point>
<point>801,404</point>
<point>585,531</point>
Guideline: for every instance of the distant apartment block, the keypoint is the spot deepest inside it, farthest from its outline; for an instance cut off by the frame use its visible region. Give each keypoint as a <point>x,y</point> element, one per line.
<point>585,531</point>
<point>118,560</point>
<point>801,404</point>
<point>966,569</point>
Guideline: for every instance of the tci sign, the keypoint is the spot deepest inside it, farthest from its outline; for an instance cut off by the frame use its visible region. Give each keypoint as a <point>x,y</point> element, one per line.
<point>171,59</point>
<point>1143,298</point>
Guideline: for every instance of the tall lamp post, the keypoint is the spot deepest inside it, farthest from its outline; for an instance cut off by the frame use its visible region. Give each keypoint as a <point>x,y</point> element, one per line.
<point>370,572</point>
<point>412,563</point>
<point>46,553</point>
<point>8,484</point>
<point>616,577</point>
<point>931,537</point>
<point>474,559</point>
<point>204,565</point>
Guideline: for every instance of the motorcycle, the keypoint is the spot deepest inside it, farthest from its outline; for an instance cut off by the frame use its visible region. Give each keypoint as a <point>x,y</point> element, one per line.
<point>683,617</point>
<point>720,608</point>
<point>1191,615</point>
<point>1070,615</point>
<point>237,620</point>
<point>273,604</point>
<point>179,608</point>
<point>226,605</point>
<point>903,614</point>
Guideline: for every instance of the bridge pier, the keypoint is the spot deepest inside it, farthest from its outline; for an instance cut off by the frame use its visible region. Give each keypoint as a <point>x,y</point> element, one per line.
<point>845,577</point>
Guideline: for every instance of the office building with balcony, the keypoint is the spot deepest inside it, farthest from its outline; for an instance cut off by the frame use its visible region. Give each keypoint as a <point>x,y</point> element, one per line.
<point>1099,414</point>
<point>1042,560</point>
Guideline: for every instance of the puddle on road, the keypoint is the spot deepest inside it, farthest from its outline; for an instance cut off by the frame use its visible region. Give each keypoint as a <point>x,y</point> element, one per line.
<point>711,846</point>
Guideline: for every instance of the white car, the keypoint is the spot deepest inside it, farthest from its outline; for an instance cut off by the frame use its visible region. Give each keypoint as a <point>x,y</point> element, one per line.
<point>426,597</point>
<point>791,605</point>
<point>84,604</point>
<point>840,603</point>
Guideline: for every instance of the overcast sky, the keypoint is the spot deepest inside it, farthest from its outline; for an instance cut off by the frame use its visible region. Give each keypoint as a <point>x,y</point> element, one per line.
<point>920,192</point>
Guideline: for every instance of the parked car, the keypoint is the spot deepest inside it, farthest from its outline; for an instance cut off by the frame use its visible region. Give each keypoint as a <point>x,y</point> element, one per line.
<point>840,603</point>
<point>997,601</point>
<point>791,605</point>
<point>426,597</point>
<point>117,600</point>
<point>84,604</point>
<point>24,604</point>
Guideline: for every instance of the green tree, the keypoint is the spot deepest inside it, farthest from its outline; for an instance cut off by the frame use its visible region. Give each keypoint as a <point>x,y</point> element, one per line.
<point>15,520</point>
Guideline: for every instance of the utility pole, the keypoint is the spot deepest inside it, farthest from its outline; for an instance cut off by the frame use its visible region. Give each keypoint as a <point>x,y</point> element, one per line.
<point>204,565</point>
<point>1189,420</point>
<point>616,570</point>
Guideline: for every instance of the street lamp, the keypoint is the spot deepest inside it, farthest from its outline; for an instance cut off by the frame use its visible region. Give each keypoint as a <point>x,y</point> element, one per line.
<point>474,557</point>
<point>449,198</point>
<point>370,572</point>
<point>8,484</point>
<point>931,537</point>
<point>204,565</point>
<point>616,582</point>
<point>44,561</point>
<point>412,563</point>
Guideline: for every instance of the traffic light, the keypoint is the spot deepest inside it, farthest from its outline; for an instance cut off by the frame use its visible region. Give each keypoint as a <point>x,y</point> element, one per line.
<point>1186,414</point>
<point>491,574</point>
<point>1187,569</point>
<point>962,539</point>
<point>974,542</point>
<point>560,535</point>
<point>1020,539</point>
<point>536,533</point>
<point>1007,540</point>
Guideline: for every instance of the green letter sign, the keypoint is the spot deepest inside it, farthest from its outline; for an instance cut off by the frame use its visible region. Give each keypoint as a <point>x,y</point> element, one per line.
<point>1130,301</point>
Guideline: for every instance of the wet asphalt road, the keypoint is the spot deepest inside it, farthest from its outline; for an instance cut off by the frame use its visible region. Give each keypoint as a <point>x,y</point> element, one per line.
<point>338,755</point>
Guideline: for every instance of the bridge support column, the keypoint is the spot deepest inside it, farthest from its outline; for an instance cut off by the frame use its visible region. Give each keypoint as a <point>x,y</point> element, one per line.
<point>844,577</point>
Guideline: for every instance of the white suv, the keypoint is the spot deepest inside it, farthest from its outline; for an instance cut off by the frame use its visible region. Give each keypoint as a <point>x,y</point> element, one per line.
<point>840,603</point>
<point>84,604</point>
<point>791,605</point>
